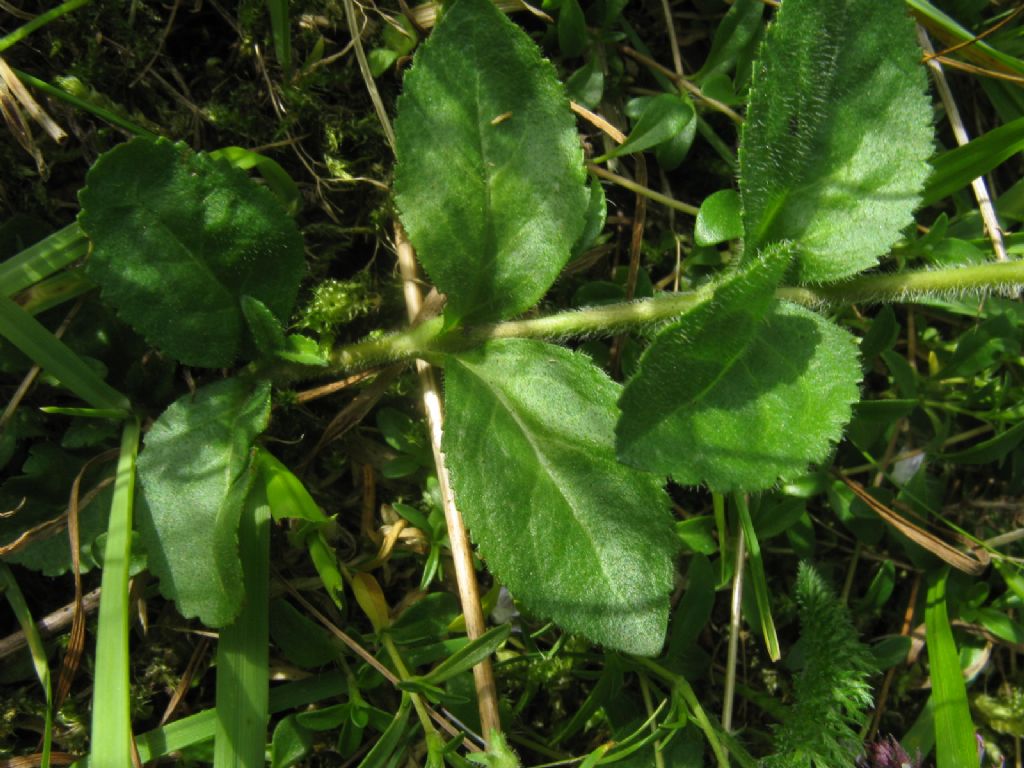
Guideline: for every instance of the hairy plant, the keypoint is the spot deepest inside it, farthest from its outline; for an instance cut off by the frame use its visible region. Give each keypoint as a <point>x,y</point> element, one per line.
<point>831,692</point>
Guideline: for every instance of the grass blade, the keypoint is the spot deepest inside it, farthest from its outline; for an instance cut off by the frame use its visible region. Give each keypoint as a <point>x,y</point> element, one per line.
<point>86,106</point>
<point>242,651</point>
<point>201,726</point>
<point>469,655</point>
<point>390,739</point>
<point>40,21</point>
<point>49,352</point>
<point>42,259</point>
<point>955,746</point>
<point>953,33</point>
<point>282,34</point>
<point>956,168</point>
<point>759,579</point>
<point>9,586</point>
<point>111,735</point>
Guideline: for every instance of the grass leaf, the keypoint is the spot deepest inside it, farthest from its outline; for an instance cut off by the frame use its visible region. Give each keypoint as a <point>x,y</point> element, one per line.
<point>955,746</point>
<point>111,733</point>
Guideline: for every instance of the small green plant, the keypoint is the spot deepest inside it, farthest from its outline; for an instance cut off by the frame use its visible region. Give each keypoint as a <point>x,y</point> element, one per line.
<point>559,470</point>
<point>831,692</point>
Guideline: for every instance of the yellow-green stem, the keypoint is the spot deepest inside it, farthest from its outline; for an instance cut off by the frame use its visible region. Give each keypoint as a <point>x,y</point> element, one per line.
<point>431,340</point>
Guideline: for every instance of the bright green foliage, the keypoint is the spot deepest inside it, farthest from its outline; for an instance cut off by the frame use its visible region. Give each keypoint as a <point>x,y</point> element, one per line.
<point>831,690</point>
<point>719,218</point>
<point>490,179</point>
<point>195,472</point>
<point>180,236</point>
<point>742,390</point>
<point>573,533</point>
<point>838,131</point>
<point>954,729</point>
<point>265,328</point>
<point>663,117</point>
<point>243,648</point>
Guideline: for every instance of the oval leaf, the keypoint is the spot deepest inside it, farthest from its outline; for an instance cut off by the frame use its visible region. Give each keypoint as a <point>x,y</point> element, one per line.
<point>718,219</point>
<point>178,235</point>
<point>574,534</point>
<point>194,473</point>
<point>741,391</point>
<point>490,180</point>
<point>838,131</point>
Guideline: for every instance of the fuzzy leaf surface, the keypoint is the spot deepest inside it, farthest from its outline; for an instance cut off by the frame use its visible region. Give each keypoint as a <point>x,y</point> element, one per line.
<point>838,131</point>
<point>178,239</point>
<point>574,534</point>
<point>194,472</point>
<point>490,181</point>
<point>740,391</point>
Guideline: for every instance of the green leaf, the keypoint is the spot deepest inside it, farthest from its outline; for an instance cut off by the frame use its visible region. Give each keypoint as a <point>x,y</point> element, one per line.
<point>243,648</point>
<point>195,472</point>
<point>733,36</point>
<point>586,84</point>
<point>954,730</point>
<point>49,352</point>
<point>664,116</point>
<point>989,450</point>
<point>575,535</point>
<point>290,743</point>
<point>181,235</point>
<point>959,167</point>
<point>391,738</point>
<point>838,131</point>
<point>266,329</point>
<point>740,391</point>
<point>719,218</point>
<point>286,495</point>
<point>759,579</point>
<point>42,259</point>
<point>111,731</point>
<point>469,655</point>
<point>302,350</point>
<point>494,219</point>
<point>572,29</point>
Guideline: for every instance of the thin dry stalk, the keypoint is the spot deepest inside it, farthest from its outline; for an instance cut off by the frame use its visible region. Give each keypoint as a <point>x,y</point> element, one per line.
<point>985,206</point>
<point>462,553</point>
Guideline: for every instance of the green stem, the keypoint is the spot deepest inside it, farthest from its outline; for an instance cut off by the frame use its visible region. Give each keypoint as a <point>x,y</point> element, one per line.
<point>914,286</point>
<point>403,674</point>
<point>682,688</point>
<point>431,340</point>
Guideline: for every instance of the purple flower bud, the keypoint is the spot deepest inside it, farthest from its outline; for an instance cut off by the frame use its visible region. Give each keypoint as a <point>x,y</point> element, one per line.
<point>887,753</point>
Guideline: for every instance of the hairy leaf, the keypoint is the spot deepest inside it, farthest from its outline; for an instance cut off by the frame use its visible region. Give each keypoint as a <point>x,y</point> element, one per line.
<point>838,132</point>
<point>490,179</point>
<point>195,471</point>
<point>178,239</point>
<point>574,534</point>
<point>741,390</point>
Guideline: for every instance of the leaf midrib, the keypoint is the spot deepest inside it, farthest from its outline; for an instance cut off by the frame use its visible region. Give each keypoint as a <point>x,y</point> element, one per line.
<point>545,463</point>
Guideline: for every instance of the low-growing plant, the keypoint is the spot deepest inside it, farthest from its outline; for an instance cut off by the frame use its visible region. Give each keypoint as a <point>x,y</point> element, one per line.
<point>560,471</point>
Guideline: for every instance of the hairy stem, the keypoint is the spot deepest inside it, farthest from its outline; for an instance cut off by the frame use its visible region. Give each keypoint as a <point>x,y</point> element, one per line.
<point>980,279</point>
<point>431,340</point>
